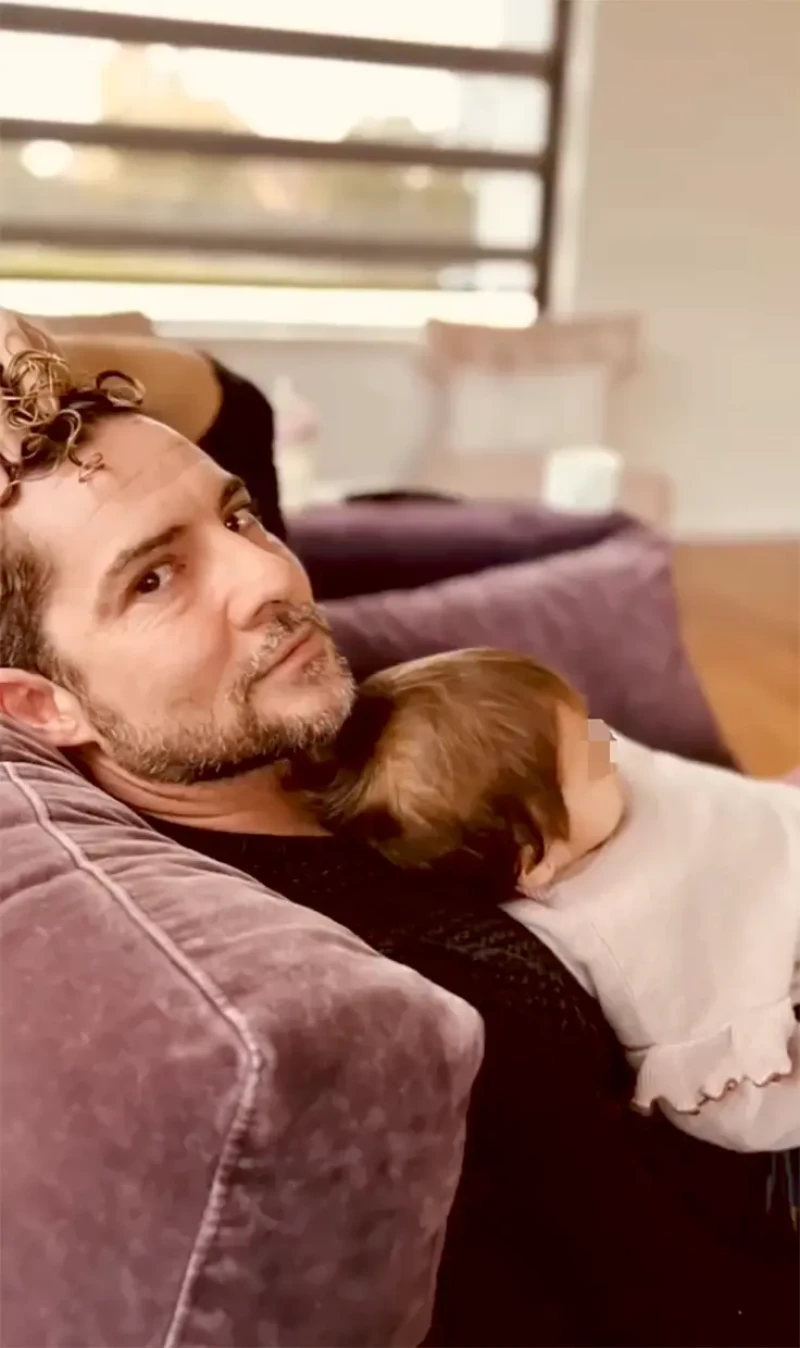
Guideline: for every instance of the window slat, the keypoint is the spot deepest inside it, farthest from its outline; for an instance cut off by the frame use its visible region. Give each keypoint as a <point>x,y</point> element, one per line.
<point>137,28</point>
<point>247,145</point>
<point>367,249</point>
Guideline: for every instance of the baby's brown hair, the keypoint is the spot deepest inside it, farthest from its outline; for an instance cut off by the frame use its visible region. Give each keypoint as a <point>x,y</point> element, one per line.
<point>451,762</point>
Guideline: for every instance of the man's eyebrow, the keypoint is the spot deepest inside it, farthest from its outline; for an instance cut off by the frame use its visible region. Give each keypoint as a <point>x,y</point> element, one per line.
<point>231,487</point>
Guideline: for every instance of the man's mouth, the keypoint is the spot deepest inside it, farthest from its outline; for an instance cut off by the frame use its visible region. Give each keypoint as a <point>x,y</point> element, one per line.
<point>297,648</point>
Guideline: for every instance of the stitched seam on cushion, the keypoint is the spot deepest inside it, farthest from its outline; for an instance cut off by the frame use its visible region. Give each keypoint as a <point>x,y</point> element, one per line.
<point>231,1146</point>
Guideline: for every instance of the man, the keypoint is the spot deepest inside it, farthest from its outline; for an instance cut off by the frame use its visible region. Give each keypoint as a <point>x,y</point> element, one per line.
<point>152,629</point>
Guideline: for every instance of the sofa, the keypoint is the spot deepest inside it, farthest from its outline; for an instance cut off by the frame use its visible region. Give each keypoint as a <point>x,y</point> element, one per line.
<point>225,1120</point>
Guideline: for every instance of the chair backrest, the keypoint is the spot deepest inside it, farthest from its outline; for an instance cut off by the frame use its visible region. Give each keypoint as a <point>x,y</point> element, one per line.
<point>502,398</point>
<point>128,324</point>
<point>612,343</point>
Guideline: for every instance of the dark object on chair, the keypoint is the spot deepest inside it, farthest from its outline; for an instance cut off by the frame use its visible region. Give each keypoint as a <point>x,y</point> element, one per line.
<point>397,495</point>
<point>242,439</point>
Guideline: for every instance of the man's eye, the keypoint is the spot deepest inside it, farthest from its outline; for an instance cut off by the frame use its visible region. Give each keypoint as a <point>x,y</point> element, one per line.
<point>153,580</point>
<point>244,517</point>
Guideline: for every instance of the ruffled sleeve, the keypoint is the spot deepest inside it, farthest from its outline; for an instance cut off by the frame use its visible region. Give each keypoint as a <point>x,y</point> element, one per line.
<point>738,1088</point>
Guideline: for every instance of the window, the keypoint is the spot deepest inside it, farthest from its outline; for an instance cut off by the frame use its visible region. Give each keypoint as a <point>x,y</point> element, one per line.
<point>346,147</point>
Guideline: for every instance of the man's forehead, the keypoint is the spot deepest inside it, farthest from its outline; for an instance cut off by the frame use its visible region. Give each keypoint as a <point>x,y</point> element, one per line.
<point>139,456</point>
<point>149,475</point>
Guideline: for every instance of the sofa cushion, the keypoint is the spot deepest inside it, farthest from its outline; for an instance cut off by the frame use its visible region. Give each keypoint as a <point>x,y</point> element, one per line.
<point>365,546</point>
<point>226,1121</point>
<point>604,615</point>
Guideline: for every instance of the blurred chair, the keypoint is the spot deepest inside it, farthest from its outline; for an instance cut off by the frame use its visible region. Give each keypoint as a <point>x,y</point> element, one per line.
<point>503,398</point>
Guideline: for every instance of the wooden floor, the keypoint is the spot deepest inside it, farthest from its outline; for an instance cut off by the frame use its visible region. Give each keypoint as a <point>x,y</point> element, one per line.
<point>740,609</point>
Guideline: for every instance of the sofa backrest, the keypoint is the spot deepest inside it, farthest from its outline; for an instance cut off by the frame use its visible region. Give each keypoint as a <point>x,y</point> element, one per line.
<point>225,1119</point>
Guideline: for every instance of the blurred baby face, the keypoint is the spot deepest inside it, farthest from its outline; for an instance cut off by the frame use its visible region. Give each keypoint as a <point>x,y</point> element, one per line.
<point>589,781</point>
<point>592,794</point>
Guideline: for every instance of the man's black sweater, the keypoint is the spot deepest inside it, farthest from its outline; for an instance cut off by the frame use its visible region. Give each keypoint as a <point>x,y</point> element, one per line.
<point>576,1222</point>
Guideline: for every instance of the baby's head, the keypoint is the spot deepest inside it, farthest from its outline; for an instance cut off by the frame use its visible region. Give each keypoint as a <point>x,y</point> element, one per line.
<point>480,762</point>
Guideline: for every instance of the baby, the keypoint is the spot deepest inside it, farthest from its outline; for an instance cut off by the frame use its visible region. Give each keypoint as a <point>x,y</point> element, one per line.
<point>669,888</point>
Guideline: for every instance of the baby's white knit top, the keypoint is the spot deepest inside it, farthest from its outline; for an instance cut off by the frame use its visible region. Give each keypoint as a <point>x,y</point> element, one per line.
<point>686,927</point>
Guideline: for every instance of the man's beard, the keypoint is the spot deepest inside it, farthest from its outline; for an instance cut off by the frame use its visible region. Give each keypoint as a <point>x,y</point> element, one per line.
<point>203,750</point>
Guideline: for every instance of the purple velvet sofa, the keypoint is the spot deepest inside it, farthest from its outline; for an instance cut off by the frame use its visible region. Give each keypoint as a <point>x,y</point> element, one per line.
<point>590,595</point>
<point>226,1122</point>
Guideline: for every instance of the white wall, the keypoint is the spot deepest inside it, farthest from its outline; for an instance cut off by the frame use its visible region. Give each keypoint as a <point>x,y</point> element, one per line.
<point>691,216</point>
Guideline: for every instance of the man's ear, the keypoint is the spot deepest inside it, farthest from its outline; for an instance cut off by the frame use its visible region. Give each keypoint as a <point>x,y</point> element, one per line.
<point>50,711</point>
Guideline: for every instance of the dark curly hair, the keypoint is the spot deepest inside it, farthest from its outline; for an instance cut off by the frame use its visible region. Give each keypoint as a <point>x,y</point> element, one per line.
<point>48,416</point>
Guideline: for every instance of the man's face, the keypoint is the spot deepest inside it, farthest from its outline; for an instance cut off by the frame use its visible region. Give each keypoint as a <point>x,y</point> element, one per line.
<point>189,635</point>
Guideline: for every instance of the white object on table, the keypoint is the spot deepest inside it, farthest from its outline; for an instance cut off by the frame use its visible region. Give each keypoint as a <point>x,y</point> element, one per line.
<point>582,477</point>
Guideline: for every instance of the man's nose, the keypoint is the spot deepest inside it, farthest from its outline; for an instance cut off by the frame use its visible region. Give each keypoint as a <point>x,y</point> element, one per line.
<point>255,577</point>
